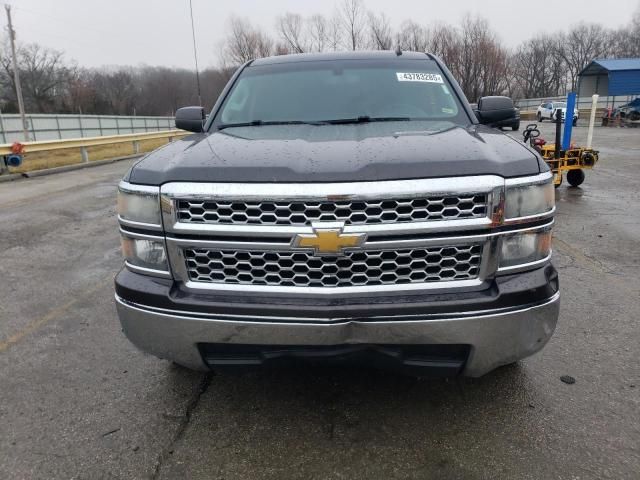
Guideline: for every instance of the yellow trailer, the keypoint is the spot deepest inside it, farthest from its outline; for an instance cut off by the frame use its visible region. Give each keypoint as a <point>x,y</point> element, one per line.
<point>572,161</point>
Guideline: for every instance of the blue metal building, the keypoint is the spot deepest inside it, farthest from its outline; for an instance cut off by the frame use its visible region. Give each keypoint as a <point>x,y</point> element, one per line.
<point>610,77</point>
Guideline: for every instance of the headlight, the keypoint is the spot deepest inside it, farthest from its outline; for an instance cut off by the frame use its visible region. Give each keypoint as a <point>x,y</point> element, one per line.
<point>138,203</point>
<point>525,247</point>
<point>525,200</point>
<point>144,253</point>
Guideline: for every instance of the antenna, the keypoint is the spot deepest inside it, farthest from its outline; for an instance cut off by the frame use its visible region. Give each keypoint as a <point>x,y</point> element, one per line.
<point>195,53</point>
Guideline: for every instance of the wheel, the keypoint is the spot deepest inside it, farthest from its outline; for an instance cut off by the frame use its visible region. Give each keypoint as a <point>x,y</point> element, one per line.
<point>575,122</point>
<point>515,127</point>
<point>539,117</point>
<point>634,116</point>
<point>575,177</point>
<point>588,159</point>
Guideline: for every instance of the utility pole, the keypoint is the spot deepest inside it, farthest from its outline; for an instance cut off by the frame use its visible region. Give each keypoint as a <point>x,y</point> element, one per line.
<point>16,75</point>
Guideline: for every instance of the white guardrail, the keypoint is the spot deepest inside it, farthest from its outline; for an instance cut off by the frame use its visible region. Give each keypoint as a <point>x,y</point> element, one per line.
<point>583,103</point>
<point>59,127</point>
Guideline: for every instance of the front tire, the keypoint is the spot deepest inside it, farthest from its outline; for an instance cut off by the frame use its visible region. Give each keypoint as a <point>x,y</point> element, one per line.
<point>515,127</point>
<point>539,117</point>
<point>575,122</point>
<point>575,177</point>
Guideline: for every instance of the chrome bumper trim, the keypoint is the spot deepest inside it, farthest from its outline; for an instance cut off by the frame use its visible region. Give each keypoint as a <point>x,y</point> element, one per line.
<point>497,337</point>
<point>321,320</point>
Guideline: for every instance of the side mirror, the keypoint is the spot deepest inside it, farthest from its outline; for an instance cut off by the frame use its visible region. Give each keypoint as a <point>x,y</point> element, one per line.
<point>492,110</point>
<point>191,119</point>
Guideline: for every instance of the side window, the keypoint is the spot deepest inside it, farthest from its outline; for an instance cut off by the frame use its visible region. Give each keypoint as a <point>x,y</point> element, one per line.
<point>236,109</point>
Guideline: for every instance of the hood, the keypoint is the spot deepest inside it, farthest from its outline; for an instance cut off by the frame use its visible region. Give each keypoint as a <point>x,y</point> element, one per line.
<point>336,153</point>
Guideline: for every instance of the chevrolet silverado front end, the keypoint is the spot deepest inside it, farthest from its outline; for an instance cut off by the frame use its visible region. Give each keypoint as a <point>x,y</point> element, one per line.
<point>377,223</point>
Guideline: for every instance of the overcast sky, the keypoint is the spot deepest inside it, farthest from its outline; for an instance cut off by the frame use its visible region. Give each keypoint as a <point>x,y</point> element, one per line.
<point>133,32</point>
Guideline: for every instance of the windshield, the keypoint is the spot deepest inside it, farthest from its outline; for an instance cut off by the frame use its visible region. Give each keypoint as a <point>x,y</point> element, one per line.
<point>560,105</point>
<point>342,91</point>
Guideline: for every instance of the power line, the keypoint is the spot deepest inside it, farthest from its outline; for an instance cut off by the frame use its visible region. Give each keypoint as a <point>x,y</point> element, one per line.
<point>76,26</point>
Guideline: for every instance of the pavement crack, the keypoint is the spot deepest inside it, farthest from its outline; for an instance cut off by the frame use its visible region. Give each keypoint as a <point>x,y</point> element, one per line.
<point>580,257</point>
<point>203,386</point>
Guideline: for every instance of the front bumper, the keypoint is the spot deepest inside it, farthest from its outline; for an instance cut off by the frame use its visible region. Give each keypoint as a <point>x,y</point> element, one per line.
<point>496,336</point>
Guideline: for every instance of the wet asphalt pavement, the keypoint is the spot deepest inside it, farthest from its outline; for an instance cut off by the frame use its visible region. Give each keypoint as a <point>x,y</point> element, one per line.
<point>78,401</point>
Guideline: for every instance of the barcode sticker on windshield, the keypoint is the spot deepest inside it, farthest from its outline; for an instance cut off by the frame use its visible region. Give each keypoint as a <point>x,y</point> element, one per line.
<point>419,77</point>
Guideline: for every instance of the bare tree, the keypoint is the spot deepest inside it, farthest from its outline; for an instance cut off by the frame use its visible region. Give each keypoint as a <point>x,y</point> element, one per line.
<point>334,32</point>
<point>120,90</point>
<point>380,31</point>
<point>291,31</point>
<point>245,43</point>
<point>538,68</point>
<point>413,37</point>
<point>354,22</point>
<point>444,41</point>
<point>318,33</point>
<point>44,74</point>
<point>583,43</point>
<point>626,40</point>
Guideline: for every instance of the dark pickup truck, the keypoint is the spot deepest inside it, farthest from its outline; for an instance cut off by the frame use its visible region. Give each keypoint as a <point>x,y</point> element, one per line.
<point>340,208</point>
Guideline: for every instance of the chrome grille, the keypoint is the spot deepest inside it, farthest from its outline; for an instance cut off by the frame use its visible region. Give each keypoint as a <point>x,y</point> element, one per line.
<point>351,212</point>
<point>355,268</point>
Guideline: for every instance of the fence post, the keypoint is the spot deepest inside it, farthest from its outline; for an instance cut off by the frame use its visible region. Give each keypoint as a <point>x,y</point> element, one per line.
<point>4,136</point>
<point>33,129</point>
<point>100,125</point>
<point>592,119</point>
<point>58,127</point>
<point>136,146</point>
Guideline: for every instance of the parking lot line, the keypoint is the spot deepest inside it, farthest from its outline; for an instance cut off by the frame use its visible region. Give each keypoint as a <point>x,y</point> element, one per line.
<point>51,315</point>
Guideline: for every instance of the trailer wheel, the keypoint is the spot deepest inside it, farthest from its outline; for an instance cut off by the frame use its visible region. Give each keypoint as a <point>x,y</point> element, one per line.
<point>575,177</point>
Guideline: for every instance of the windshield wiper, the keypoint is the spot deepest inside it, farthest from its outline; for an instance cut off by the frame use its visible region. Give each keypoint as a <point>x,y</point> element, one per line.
<point>337,121</point>
<point>365,119</point>
<point>260,123</point>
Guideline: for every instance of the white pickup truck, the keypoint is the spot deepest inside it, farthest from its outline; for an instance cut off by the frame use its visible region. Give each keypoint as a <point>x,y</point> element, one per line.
<point>548,110</point>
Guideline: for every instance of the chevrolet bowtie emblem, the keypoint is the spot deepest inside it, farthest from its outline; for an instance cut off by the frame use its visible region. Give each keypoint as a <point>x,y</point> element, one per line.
<point>328,239</point>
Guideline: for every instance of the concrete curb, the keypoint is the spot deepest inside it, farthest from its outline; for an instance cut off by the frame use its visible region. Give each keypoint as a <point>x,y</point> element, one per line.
<point>77,166</point>
<point>10,178</point>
